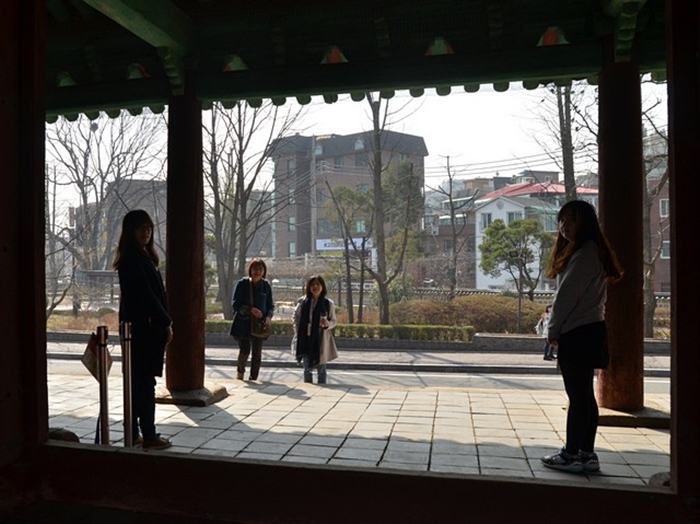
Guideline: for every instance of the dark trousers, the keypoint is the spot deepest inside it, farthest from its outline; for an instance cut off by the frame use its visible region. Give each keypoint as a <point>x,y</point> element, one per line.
<point>548,351</point>
<point>578,354</point>
<point>244,347</point>
<point>143,405</point>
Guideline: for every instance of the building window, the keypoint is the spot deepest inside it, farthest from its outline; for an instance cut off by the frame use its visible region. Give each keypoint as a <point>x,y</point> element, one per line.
<point>403,157</point>
<point>291,165</point>
<point>339,161</point>
<point>360,226</point>
<point>359,145</point>
<point>292,250</point>
<point>362,188</point>
<point>292,224</point>
<point>485,220</point>
<point>665,287</point>
<point>318,165</point>
<point>291,197</point>
<point>320,196</point>
<point>664,207</point>
<point>549,223</point>
<point>318,149</point>
<point>514,215</point>
<point>361,160</point>
<point>447,245</point>
<point>666,249</point>
<point>323,227</point>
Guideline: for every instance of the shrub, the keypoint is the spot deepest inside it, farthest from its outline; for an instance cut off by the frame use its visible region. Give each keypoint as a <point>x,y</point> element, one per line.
<point>223,326</point>
<point>497,314</point>
<point>486,313</point>
<point>420,312</point>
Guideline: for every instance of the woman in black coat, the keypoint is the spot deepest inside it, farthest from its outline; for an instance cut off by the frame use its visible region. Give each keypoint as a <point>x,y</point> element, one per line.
<point>252,306</point>
<point>143,303</point>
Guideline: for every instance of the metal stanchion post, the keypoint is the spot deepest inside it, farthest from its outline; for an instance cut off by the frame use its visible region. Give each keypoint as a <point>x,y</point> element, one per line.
<point>125,328</point>
<point>103,372</point>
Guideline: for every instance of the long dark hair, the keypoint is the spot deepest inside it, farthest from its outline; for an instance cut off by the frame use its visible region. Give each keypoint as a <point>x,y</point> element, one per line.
<point>587,228</point>
<point>319,279</point>
<point>127,240</point>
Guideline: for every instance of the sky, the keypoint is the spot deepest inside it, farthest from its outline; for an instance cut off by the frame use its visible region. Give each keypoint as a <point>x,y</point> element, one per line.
<point>482,133</point>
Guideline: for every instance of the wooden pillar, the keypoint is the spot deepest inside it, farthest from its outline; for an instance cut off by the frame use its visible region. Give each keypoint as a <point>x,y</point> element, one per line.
<point>684,163</point>
<point>621,171</point>
<point>23,390</point>
<point>185,244</point>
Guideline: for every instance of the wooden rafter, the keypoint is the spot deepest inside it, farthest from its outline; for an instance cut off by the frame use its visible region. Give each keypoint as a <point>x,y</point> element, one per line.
<point>160,24</point>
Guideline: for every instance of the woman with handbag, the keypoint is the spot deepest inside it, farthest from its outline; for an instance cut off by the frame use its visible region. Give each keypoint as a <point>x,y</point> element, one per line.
<point>583,263</point>
<point>314,320</point>
<point>253,308</point>
<point>142,302</point>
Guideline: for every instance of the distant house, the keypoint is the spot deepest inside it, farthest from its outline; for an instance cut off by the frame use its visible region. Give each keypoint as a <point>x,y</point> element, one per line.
<point>509,209</point>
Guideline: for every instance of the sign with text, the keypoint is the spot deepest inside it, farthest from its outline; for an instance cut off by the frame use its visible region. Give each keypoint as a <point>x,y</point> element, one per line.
<point>335,244</point>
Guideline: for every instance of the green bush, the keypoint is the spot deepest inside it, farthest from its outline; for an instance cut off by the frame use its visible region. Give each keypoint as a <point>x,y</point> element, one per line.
<point>498,314</point>
<point>420,312</point>
<point>223,326</point>
<point>374,331</point>
<point>486,313</point>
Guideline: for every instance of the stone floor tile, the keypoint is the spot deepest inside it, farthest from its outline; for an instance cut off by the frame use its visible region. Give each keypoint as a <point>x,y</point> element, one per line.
<point>304,450</point>
<point>509,463</point>
<point>407,457</point>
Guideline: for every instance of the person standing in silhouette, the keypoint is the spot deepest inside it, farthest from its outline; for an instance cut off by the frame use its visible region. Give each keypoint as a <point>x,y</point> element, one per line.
<point>583,263</point>
<point>143,303</point>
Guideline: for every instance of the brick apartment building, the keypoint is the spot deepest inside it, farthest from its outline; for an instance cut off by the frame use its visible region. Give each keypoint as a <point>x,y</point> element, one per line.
<point>305,167</point>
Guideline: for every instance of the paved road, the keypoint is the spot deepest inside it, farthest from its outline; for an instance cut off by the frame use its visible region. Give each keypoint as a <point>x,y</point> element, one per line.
<point>407,360</point>
<point>446,368</point>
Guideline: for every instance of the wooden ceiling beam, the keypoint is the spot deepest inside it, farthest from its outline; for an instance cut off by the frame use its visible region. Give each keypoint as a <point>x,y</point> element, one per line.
<point>158,23</point>
<point>572,61</point>
<point>111,97</point>
<point>531,67</point>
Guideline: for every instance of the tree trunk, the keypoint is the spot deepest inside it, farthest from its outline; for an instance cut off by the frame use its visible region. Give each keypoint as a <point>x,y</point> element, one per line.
<point>567,147</point>
<point>379,214</point>
<point>649,268</point>
<point>348,280</point>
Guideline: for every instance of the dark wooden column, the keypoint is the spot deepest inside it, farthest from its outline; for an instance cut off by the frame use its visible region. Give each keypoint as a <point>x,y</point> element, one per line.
<point>185,251</point>
<point>23,390</point>
<point>621,171</point>
<point>684,156</point>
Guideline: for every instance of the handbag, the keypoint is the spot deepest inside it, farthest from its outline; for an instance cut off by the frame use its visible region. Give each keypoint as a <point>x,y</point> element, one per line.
<point>239,326</point>
<point>258,327</point>
<point>90,358</point>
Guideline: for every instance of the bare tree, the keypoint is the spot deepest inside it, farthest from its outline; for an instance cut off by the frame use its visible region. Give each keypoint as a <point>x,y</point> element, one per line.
<point>353,207</point>
<point>95,162</point>
<point>656,179</point>
<point>240,204</point>
<point>382,275</point>
<point>569,116</point>
<point>60,267</point>
<point>574,129</point>
<point>96,171</point>
<point>459,210</point>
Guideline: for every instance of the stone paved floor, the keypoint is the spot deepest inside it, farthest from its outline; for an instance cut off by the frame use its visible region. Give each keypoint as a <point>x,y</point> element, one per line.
<point>455,430</point>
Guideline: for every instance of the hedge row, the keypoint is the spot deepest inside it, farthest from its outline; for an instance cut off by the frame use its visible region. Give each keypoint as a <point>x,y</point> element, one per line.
<point>443,333</point>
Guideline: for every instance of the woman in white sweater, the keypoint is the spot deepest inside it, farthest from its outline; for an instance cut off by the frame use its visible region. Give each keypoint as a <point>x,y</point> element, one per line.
<point>583,263</point>
<point>314,320</point>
